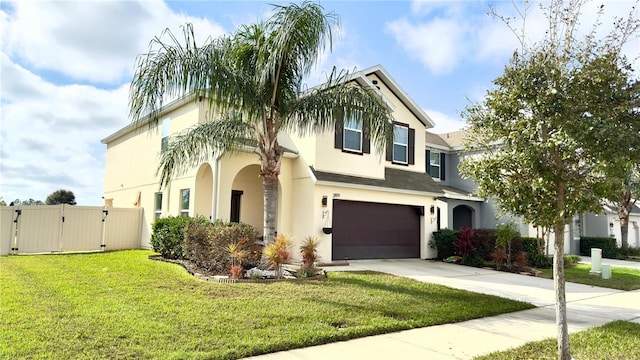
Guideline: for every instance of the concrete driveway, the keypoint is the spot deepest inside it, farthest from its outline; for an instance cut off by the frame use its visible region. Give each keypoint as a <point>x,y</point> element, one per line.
<point>537,291</point>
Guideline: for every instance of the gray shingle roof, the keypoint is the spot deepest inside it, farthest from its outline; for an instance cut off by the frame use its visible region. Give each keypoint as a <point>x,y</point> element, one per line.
<point>393,179</point>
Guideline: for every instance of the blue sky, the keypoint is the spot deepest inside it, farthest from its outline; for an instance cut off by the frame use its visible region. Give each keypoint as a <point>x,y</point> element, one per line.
<point>66,66</point>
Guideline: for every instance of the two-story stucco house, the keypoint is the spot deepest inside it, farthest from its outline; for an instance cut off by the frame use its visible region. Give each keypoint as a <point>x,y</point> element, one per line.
<point>370,203</point>
<point>461,207</point>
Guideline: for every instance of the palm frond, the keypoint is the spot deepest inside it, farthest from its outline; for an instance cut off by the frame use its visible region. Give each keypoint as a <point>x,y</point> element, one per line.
<point>320,110</point>
<point>200,143</point>
<point>174,68</point>
<point>298,33</point>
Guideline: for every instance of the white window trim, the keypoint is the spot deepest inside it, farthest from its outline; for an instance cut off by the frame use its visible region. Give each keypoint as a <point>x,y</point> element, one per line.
<point>432,165</point>
<point>157,211</point>
<point>166,130</point>
<point>405,145</point>
<point>183,211</point>
<point>356,130</point>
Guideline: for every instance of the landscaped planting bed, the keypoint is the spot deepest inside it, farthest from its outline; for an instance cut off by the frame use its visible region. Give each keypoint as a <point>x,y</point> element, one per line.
<point>124,305</point>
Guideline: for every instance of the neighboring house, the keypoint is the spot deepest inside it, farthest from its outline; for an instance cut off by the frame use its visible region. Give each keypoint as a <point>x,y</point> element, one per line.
<point>461,207</point>
<point>373,204</point>
<point>607,224</point>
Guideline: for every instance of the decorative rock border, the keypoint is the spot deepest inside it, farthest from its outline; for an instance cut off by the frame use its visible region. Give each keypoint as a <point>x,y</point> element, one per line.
<point>226,280</point>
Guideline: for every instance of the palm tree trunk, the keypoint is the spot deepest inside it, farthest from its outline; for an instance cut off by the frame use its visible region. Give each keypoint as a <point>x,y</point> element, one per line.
<point>270,186</point>
<point>270,161</point>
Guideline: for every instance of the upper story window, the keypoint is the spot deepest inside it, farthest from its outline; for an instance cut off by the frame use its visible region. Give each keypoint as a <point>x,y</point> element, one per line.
<point>400,144</point>
<point>402,151</point>
<point>184,202</point>
<point>158,205</point>
<point>435,164</point>
<point>352,137</point>
<point>166,128</point>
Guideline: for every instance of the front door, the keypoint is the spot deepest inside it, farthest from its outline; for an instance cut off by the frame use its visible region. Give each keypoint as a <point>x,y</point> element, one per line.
<point>236,196</point>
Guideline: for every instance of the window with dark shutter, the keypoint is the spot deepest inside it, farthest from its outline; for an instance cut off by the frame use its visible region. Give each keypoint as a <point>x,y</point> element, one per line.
<point>442,166</point>
<point>402,151</point>
<point>434,164</point>
<point>351,135</point>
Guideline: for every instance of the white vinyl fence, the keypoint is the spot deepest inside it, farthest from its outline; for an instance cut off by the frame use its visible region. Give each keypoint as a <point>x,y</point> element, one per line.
<point>68,228</point>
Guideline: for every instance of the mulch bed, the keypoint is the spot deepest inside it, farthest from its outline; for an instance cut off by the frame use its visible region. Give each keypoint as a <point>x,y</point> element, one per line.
<point>204,275</point>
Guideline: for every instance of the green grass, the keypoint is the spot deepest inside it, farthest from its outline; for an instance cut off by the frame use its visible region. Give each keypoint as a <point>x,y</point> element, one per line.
<point>621,278</point>
<point>123,305</point>
<point>616,340</point>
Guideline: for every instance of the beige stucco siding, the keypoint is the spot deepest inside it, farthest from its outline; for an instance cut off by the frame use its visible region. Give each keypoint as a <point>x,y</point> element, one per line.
<point>402,114</point>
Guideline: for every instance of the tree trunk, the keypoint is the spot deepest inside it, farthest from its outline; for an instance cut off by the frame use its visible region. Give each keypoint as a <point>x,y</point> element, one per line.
<point>561,301</point>
<point>270,162</point>
<point>564,352</point>
<point>270,187</point>
<point>624,209</point>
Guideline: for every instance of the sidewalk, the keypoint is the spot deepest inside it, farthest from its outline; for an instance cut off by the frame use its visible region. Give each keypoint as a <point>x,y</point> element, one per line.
<point>613,262</point>
<point>587,307</point>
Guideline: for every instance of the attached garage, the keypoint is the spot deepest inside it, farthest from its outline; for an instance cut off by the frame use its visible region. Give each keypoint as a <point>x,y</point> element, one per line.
<point>368,230</point>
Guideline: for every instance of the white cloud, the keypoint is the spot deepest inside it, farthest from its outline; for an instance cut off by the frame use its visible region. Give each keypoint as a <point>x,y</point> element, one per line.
<point>444,123</point>
<point>51,135</point>
<point>443,35</point>
<point>95,41</point>
<point>438,44</point>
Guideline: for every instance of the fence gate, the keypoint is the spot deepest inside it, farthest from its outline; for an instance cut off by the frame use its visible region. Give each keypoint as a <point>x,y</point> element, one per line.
<point>61,228</point>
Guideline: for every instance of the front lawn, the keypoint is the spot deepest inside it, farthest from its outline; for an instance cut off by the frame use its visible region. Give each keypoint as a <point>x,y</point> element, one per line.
<point>616,340</point>
<point>621,278</point>
<point>123,305</point>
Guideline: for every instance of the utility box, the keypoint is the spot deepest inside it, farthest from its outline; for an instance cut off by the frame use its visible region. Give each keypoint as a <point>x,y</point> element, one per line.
<point>606,272</point>
<point>596,261</point>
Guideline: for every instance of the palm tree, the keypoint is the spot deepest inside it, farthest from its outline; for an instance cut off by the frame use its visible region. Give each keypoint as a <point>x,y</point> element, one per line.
<point>252,83</point>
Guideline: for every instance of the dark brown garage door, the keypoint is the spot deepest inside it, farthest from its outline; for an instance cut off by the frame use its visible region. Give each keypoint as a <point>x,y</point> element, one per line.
<point>365,230</point>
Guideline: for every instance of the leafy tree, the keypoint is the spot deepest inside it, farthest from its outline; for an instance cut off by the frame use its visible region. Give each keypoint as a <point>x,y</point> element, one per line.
<point>29,202</point>
<point>623,190</point>
<point>61,197</point>
<point>251,81</point>
<point>3,203</point>
<point>546,116</point>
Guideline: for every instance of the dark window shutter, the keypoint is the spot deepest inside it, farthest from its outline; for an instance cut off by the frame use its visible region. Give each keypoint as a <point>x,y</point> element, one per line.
<point>389,150</point>
<point>339,124</point>
<point>442,168</point>
<point>427,162</point>
<point>366,139</point>
<point>412,146</point>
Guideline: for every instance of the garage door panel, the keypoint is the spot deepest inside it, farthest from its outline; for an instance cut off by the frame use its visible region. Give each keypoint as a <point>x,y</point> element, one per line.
<point>373,252</point>
<point>363,230</point>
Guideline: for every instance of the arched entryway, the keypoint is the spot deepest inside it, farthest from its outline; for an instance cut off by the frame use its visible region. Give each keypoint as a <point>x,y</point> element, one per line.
<point>462,217</point>
<point>247,200</point>
<point>204,191</point>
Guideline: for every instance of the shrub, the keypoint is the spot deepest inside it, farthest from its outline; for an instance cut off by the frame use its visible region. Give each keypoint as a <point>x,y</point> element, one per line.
<point>521,261</point>
<point>216,246</point>
<point>499,256</point>
<point>484,241</point>
<point>571,260</point>
<point>277,253</point>
<point>443,241</point>
<point>309,252</point>
<point>167,236</point>
<point>505,233</point>
<point>531,246</point>
<point>608,245</point>
<point>464,243</point>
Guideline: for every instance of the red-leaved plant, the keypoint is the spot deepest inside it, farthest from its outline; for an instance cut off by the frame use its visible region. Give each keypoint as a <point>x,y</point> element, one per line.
<point>464,243</point>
